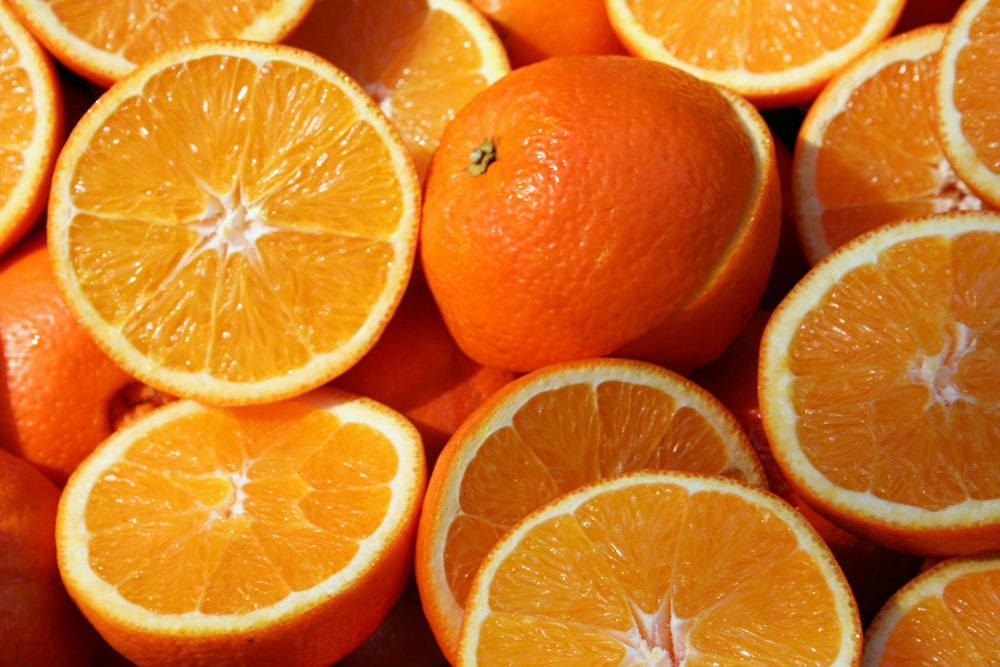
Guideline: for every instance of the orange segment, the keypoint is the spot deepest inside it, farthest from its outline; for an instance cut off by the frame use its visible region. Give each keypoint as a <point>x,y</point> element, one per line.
<point>868,152</point>
<point>31,127</point>
<point>201,531</point>
<point>103,41</point>
<point>965,103</point>
<point>879,386</point>
<point>661,568</point>
<point>547,433</point>
<point>234,222</point>
<point>947,615</point>
<point>774,52</point>
<point>421,60</point>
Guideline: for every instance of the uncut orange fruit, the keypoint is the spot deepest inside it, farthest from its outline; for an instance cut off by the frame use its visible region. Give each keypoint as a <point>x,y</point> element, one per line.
<point>965,107</point>
<point>547,433</point>
<point>868,152</point>
<point>878,385</point>
<point>257,535</point>
<point>533,31</point>
<point>39,623</point>
<point>661,568</point>
<point>775,53</point>
<point>947,615</point>
<point>234,222</point>
<point>31,128</point>
<point>103,41</point>
<point>420,59</point>
<point>589,206</point>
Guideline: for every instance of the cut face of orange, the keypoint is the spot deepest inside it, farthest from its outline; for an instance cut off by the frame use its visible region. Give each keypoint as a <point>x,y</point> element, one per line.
<point>421,60</point>
<point>880,389</point>
<point>102,41</point>
<point>966,103</point>
<point>868,152</point>
<point>947,615</point>
<point>661,568</point>
<point>775,53</point>
<point>547,433</point>
<point>31,127</point>
<point>234,222</point>
<point>277,534</point>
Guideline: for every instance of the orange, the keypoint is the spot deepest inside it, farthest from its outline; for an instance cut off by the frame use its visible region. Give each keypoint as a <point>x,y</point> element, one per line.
<point>103,41</point>
<point>966,110</point>
<point>879,389</point>
<point>39,623</point>
<point>775,53</point>
<point>258,535</point>
<point>661,568</point>
<point>274,254</point>
<point>61,395</point>
<point>31,128</point>
<point>947,615</point>
<point>868,152</point>
<point>417,368</point>
<point>421,60</point>
<point>586,206</point>
<point>547,433</point>
<point>533,31</point>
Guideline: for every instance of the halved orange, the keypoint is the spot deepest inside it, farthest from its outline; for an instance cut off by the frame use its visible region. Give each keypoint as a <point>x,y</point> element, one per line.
<point>234,221</point>
<point>259,535</point>
<point>948,614</point>
<point>102,41</point>
<point>868,152</point>
<point>547,433</point>
<point>879,385</point>
<point>661,568</point>
<point>775,53</point>
<point>31,128</point>
<point>966,102</point>
<point>421,60</point>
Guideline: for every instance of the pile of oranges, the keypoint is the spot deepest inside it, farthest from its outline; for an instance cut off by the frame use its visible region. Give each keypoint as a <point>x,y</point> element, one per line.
<point>499,332</point>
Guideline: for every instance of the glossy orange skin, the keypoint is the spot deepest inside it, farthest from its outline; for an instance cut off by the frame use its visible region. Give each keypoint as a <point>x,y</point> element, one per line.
<point>601,225</point>
<point>58,388</point>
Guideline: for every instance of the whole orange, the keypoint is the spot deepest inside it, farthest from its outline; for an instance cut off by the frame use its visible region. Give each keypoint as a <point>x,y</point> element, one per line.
<point>589,205</point>
<point>59,390</point>
<point>533,30</point>
<point>39,624</point>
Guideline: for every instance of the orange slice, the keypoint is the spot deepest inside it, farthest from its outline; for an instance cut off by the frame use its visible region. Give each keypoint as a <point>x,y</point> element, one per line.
<point>234,222</point>
<point>277,534</point>
<point>947,615</point>
<point>546,433</point>
<point>102,41</point>
<point>661,568</point>
<point>31,128</point>
<point>867,152</point>
<point>880,388</point>
<point>966,103</point>
<point>775,53</point>
<point>421,60</point>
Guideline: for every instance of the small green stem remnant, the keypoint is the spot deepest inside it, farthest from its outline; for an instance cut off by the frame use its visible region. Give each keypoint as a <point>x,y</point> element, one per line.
<point>482,157</point>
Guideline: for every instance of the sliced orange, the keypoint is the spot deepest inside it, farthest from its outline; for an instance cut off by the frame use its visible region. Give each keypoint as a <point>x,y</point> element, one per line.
<point>867,152</point>
<point>102,41</point>
<point>421,60</point>
<point>661,568</point>
<point>947,615</point>
<point>260,535</point>
<point>776,53</point>
<point>547,433</point>
<point>234,222</point>
<point>31,128</point>
<point>879,385</point>
<point>966,101</point>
